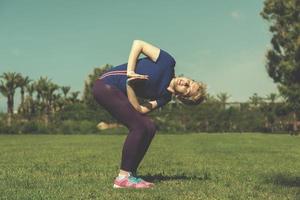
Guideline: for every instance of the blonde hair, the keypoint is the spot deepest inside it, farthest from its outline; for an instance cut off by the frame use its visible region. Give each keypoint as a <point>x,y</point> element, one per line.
<point>196,99</point>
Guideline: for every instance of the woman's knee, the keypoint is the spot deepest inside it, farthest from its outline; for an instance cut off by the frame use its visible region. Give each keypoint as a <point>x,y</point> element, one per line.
<point>151,128</point>
<point>145,127</point>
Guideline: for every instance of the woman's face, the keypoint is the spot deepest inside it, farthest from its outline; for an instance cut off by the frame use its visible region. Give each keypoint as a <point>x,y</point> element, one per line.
<point>185,87</point>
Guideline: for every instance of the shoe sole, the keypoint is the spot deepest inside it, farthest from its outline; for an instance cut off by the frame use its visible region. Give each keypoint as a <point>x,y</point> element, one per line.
<point>117,186</point>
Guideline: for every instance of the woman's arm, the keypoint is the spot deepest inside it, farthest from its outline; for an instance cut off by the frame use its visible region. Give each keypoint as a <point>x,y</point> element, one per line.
<point>134,101</point>
<point>132,97</point>
<point>137,48</point>
<point>152,52</point>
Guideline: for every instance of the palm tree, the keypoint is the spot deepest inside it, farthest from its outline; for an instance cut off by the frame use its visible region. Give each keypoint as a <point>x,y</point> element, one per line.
<point>57,99</point>
<point>255,99</point>
<point>272,97</point>
<point>59,103</point>
<point>74,96</point>
<point>65,90</point>
<point>8,86</point>
<point>45,89</point>
<point>52,87</point>
<point>28,108</point>
<point>41,87</point>
<point>223,98</point>
<point>30,88</point>
<point>23,82</point>
<point>211,99</point>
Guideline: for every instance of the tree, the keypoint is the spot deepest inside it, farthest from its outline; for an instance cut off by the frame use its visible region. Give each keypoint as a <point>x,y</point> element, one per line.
<point>30,108</point>
<point>65,90</point>
<point>45,89</point>
<point>23,82</point>
<point>206,115</point>
<point>211,99</point>
<point>255,100</point>
<point>8,86</point>
<point>272,97</point>
<point>223,98</point>
<point>51,88</point>
<point>283,60</point>
<point>268,109</point>
<point>74,97</point>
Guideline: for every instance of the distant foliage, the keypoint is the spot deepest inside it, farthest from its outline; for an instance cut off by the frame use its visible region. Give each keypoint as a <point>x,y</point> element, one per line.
<point>283,59</point>
<point>47,108</point>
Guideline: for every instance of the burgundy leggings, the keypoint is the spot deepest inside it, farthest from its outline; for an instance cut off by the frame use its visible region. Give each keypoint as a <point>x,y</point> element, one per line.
<point>141,127</point>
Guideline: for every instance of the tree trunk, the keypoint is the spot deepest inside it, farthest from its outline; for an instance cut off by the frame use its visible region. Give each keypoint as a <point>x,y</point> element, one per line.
<point>295,128</point>
<point>32,107</point>
<point>10,109</point>
<point>9,117</point>
<point>206,125</point>
<point>46,119</point>
<point>46,114</point>
<point>266,124</point>
<point>22,101</point>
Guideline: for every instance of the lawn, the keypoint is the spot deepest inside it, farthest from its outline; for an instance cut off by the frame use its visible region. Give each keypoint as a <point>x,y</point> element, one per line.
<point>191,166</point>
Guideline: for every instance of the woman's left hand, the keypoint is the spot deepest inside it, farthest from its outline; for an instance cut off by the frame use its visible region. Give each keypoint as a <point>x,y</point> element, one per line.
<point>132,74</point>
<point>135,79</point>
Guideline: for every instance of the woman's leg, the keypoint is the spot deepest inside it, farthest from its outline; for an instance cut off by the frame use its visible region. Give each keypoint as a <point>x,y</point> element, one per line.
<point>141,128</point>
<point>145,128</point>
<point>151,130</point>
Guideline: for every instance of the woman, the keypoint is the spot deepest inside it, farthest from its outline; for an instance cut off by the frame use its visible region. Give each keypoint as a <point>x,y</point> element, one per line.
<point>150,78</point>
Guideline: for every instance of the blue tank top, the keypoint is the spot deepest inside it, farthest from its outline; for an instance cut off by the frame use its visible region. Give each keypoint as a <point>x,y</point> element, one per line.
<point>160,74</point>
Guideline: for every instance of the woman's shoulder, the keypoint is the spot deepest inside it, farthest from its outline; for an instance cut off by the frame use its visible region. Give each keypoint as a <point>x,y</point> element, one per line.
<point>166,58</point>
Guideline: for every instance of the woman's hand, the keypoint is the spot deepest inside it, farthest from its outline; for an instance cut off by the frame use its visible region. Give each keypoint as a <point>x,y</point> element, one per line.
<point>132,75</point>
<point>132,80</point>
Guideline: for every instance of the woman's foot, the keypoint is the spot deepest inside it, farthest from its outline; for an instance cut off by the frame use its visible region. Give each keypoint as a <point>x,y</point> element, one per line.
<point>131,182</point>
<point>146,182</point>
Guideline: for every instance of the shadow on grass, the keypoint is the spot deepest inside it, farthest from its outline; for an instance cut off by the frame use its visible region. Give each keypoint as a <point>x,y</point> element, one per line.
<point>162,177</point>
<point>284,180</point>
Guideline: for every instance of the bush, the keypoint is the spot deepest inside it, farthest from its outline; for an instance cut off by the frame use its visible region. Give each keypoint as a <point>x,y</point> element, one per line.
<point>81,112</point>
<point>77,127</point>
<point>37,127</point>
<point>34,127</point>
<point>31,127</point>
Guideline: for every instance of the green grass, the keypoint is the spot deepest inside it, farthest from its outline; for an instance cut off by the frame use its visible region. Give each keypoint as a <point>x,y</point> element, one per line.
<point>193,166</point>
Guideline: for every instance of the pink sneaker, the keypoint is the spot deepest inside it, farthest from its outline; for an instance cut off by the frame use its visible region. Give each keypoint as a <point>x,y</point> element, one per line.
<point>140,179</point>
<point>146,182</point>
<point>130,182</point>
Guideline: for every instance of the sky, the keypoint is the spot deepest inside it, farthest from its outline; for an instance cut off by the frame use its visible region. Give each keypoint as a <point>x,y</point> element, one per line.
<point>221,43</point>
